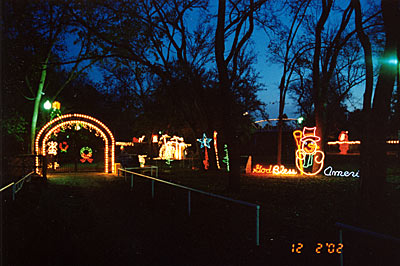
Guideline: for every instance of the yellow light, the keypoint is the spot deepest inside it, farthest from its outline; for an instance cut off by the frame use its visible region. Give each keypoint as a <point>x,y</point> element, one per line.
<point>173,149</point>
<point>308,150</point>
<point>274,170</point>
<point>358,142</point>
<point>141,139</point>
<point>343,142</point>
<point>216,149</point>
<point>123,143</point>
<point>52,148</point>
<point>142,160</point>
<point>56,105</point>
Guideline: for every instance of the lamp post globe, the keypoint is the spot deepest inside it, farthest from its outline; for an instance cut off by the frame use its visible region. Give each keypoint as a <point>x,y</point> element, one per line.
<point>47,105</point>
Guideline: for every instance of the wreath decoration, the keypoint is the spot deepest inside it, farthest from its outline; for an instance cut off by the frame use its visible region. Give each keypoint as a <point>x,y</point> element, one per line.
<point>86,154</point>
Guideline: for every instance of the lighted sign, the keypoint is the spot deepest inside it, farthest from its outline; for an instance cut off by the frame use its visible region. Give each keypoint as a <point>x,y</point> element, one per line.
<point>154,138</point>
<point>309,159</point>
<point>205,143</point>
<point>216,149</point>
<point>52,150</point>
<point>86,154</point>
<point>274,170</point>
<point>63,146</point>
<point>329,171</point>
<point>226,157</point>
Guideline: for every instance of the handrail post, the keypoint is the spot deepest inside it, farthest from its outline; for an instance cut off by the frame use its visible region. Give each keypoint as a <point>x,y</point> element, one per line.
<point>258,225</point>
<point>151,170</point>
<point>152,189</point>
<point>341,242</point>
<point>118,172</point>
<point>131,181</point>
<point>189,203</point>
<point>157,171</point>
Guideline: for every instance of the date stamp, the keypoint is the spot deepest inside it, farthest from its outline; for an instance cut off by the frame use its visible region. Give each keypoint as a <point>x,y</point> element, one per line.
<point>319,248</point>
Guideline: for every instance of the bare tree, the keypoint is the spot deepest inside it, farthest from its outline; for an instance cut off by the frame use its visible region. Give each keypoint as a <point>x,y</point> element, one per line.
<point>286,47</point>
<point>373,171</point>
<point>235,25</point>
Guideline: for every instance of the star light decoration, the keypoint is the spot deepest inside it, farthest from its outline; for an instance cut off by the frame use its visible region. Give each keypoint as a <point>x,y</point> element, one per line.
<point>205,143</point>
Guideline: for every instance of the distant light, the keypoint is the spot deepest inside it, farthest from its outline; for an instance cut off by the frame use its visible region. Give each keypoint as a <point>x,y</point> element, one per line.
<point>300,120</point>
<point>56,105</point>
<point>393,61</point>
<point>47,105</point>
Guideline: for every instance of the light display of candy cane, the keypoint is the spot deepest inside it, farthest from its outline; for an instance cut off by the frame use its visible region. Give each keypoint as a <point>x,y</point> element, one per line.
<point>308,153</point>
<point>205,143</point>
<point>86,154</point>
<point>216,149</point>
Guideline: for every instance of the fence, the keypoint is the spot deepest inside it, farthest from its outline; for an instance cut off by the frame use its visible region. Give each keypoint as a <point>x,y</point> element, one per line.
<point>189,191</point>
<point>343,227</point>
<point>17,186</point>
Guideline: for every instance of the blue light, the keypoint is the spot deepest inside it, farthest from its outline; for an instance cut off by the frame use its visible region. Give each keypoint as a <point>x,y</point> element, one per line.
<point>204,141</point>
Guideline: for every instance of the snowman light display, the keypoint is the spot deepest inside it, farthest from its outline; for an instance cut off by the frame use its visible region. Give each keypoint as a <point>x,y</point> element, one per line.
<point>309,159</point>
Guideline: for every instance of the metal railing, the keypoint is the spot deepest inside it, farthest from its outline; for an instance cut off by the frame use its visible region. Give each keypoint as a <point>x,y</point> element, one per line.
<point>7,186</point>
<point>361,231</point>
<point>17,186</point>
<point>151,167</point>
<point>189,190</point>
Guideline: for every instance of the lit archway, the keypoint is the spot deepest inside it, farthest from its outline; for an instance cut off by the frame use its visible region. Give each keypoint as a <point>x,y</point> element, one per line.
<point>88,122</point>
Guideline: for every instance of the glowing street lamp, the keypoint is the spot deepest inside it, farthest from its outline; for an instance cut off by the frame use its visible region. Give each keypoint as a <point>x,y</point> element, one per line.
<point>47,105</point>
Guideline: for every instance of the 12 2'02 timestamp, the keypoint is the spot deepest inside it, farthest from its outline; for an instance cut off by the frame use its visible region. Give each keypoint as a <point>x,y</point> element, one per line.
<point>328,248</point>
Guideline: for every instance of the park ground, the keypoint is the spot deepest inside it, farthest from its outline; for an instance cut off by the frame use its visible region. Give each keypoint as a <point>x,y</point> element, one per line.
<point>95,219</point>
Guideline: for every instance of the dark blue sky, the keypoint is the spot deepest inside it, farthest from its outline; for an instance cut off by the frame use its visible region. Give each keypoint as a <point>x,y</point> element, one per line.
<point>269,73</point>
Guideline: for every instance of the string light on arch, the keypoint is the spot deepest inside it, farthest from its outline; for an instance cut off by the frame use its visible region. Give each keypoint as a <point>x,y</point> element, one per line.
<point>88,125</point>
<point>71,123</point>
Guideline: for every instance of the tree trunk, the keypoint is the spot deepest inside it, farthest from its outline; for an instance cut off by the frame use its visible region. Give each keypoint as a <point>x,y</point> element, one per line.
<point>226,115</point>
<point>318,87</point>
<point>373,178</point>
<point>280,117</point>
<point>36,106</point>
<point>365,150</point>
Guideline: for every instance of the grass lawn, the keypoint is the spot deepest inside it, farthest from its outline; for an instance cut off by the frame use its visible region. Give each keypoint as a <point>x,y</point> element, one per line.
<point>93,219</point>
<point>305,209</point>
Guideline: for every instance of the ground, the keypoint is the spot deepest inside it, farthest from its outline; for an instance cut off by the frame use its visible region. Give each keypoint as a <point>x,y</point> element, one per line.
<point>94,219</point>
